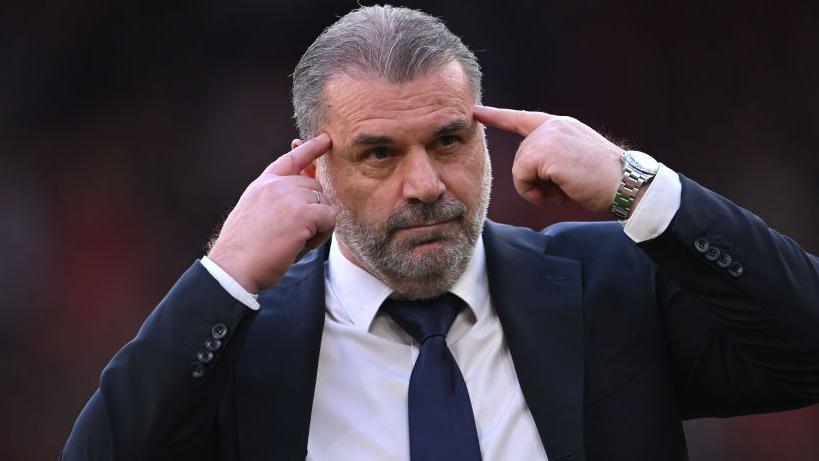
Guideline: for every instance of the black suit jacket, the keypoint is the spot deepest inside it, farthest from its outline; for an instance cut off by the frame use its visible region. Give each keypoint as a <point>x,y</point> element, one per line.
<point>614,344</point>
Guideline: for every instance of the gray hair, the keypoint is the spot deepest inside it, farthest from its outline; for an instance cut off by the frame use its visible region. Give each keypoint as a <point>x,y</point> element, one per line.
<point>392,43</point>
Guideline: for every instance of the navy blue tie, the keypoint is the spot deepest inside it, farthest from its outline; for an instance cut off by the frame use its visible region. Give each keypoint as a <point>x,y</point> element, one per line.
<point>441,423</point>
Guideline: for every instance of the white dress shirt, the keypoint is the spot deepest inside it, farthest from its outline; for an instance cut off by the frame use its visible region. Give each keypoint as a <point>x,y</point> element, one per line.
<point>360,402</point>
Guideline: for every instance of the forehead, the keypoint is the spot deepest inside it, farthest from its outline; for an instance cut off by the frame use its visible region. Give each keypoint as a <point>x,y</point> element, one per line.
<point>374,105</point>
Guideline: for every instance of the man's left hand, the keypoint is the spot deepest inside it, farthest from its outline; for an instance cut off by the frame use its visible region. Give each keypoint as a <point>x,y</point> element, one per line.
<point>560,158</point>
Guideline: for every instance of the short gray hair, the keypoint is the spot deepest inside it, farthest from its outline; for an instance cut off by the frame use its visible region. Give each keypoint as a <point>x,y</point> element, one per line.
<point>388,42</point>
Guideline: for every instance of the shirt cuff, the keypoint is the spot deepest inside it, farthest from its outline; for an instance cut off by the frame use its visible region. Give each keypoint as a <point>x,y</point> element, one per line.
<point>229,284</point>
<point>656,208</point>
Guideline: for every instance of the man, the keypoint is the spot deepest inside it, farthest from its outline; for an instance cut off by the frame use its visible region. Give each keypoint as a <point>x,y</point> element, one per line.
<point>421,330</point>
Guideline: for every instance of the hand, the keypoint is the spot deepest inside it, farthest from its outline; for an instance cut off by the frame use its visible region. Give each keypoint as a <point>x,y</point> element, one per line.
<point>559,159</point>
<point>277,219</point>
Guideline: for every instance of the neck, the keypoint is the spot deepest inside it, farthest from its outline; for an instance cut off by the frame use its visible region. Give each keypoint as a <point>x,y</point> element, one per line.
<point>355,259</point>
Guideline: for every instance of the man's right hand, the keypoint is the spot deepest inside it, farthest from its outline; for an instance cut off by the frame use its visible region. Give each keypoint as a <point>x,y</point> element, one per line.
<point>276,220</point>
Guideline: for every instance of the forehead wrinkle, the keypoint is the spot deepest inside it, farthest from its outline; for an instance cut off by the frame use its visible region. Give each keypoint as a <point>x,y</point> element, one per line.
<point>390,110</point>
<point>381,108</point>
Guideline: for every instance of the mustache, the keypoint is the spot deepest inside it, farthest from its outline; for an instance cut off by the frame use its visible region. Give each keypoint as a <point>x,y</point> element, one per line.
<point>419,213</point>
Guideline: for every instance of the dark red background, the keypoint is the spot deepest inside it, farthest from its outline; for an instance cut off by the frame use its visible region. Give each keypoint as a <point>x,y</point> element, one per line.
<point>128,129</point>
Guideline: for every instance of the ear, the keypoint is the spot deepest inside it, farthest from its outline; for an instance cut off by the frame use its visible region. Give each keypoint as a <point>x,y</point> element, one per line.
<point>309,170</point>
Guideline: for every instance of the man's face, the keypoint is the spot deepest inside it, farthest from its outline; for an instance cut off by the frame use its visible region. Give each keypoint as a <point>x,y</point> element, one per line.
<point>409,175</point>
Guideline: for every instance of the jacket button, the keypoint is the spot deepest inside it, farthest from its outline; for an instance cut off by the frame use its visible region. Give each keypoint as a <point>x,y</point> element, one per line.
<point>724,261</point>
<point>712,254</point>
<point>736,270</point>
<point>701,244</point>
<point>197,370</point>
<point>213,345</point>
<point>219,331</point>
<point>204,356</point>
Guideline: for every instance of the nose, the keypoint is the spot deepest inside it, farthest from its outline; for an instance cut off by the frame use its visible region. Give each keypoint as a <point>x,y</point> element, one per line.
<point>421,177</point>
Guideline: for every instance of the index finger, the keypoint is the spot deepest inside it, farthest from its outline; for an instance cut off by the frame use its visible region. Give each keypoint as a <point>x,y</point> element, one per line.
<point>521,122</point>
<point>299,158</point>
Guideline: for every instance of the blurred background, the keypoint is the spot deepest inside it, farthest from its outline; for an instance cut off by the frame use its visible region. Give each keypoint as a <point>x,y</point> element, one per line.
<point>129,129</point>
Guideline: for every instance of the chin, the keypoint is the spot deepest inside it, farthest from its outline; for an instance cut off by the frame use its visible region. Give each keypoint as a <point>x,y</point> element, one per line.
<point>437,250</point>
<point>424,266</point>
<point>425,261</point>
<point>435,247</point>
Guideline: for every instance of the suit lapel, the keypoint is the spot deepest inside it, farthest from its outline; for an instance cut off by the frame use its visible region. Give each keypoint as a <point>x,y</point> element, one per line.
<point>539,303</point>
<point>276,371</point>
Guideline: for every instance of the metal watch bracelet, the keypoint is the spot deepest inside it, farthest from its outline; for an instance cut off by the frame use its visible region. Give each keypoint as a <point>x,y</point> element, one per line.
<point>627,192</point>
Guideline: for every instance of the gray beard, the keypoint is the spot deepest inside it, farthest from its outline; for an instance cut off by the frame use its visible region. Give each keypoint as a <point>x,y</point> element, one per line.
<point>393,262</point>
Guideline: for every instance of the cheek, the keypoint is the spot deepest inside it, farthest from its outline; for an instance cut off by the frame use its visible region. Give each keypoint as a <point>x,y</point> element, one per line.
<point>371,200</point>
<point>463,179</point>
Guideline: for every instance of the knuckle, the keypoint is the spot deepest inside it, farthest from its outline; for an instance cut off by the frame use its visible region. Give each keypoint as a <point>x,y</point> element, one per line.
<point>277,187</point>
<point>263,182</point>
<point>544,144</point>
<point>562,123</point>
<point>289,160</point>
<point>520,186</point>
<point>306,233</point>
<point>297,210</point>
<point>552,170</point>
<point>256,185</point>
<point>518,171</point>
<point>266,191</point>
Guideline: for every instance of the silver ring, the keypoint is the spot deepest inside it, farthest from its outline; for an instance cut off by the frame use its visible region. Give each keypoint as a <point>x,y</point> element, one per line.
<point>318,195</point>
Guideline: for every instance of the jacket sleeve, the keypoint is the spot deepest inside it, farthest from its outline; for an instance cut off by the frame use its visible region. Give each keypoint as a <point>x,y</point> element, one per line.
<point>741,307</point>
<point>158,397</point>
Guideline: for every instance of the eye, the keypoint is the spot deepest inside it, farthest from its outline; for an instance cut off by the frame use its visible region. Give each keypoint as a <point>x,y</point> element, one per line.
<point>378,153</point>
<point>448,140</point>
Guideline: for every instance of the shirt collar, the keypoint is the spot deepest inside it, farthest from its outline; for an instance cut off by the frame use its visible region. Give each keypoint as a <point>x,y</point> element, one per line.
<point>360,294</point>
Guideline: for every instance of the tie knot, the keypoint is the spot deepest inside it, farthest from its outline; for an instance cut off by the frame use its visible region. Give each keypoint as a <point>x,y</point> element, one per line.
<point>426,318</point>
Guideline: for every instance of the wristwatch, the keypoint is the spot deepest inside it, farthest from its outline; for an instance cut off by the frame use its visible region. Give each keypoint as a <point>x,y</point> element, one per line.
<point>638,170</point>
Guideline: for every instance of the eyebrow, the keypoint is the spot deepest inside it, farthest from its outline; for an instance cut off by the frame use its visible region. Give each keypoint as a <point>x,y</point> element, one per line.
<point>366,139</point>
<point>452,127</point>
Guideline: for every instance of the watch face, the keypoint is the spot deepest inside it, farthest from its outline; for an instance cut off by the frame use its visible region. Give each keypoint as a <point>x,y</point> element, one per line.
<point>643,162</point>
